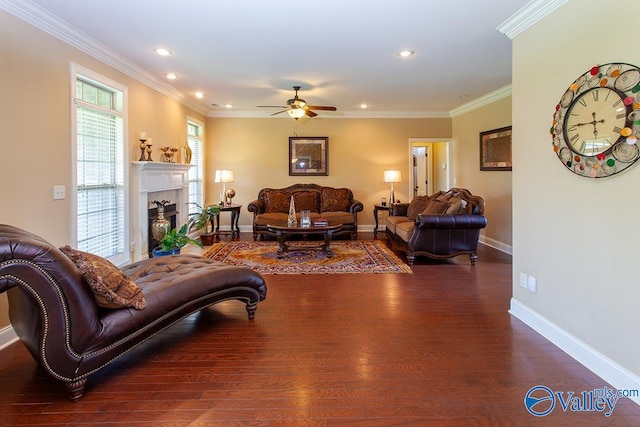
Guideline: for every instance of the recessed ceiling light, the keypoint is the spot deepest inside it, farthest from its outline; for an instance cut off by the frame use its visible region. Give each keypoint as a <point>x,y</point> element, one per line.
<point>406,53</point>
<point>199,95</point>
<point>171,76</point>
<point>228,106</point>
<point>364,106</point>
<point>162,51</point>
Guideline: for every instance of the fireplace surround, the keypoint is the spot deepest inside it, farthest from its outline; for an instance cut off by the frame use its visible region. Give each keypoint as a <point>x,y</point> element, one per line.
<point>156,181</point>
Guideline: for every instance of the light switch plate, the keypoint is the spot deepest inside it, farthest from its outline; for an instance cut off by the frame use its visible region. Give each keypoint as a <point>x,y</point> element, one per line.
<point>58,192</point>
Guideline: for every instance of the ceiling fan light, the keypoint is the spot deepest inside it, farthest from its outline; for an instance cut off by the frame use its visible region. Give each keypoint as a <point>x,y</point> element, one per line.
<point>296,113</point>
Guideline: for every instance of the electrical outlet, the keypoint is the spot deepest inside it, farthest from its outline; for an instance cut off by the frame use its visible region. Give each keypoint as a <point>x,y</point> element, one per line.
<point>532,284</point>
<point>58,192</point>
<point>523,280</point>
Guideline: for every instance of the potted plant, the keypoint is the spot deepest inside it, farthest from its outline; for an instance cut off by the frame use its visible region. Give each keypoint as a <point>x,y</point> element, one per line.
<point>173,241</point>
<point>203,220</point>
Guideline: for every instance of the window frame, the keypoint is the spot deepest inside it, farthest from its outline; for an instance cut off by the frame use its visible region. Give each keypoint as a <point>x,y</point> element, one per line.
<point>77,71</point>
<point>200,156</point>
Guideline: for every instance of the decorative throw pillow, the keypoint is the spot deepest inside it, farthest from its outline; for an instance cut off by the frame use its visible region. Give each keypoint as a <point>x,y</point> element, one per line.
<point>335,199</point>
<point>417,206</point>
<point>455,204</point>
<point>111,287</point>
<point>306,200</point>
<point>277,201</point>
<point>444,197</point>
<point>436,207</point>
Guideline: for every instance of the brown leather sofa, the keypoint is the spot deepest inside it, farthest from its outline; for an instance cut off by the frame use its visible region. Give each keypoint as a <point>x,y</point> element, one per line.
<point>334,204</point>
<point>54,311</point>
<point>443,225</point>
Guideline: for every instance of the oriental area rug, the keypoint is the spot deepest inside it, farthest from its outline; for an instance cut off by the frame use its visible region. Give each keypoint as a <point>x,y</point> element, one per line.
<point>349,257</point>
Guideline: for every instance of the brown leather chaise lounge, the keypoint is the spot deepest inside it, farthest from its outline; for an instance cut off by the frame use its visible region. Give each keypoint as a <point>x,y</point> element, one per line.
<point>56,315</point>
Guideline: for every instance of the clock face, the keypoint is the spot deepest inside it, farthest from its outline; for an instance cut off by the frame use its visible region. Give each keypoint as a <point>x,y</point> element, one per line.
<point>596,123</point>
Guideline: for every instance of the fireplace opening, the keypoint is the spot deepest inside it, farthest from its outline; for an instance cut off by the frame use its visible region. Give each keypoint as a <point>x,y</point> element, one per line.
<point>170,213</point>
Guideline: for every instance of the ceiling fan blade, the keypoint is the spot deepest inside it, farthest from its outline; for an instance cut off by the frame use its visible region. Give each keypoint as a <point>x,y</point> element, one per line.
<point>321,107</point>
<point>271,106</point>
<point>310,113</point>
<point>277,112</point>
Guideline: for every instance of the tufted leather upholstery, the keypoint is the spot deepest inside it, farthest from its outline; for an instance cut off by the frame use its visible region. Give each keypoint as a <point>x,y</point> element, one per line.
<point>54,312</point>
<point>438,235</point>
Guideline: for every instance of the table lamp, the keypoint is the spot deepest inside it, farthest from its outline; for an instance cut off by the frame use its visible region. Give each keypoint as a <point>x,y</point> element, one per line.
<point>224,176</point>
<point>392,176</point>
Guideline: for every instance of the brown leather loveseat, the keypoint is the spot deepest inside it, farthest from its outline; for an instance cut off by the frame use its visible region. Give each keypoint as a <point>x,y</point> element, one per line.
<point>443,225</point>
<point>334,204</point>
<point>54,301</point>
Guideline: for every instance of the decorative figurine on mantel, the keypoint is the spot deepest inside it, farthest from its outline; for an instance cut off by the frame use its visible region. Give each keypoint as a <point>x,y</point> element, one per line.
<point>169,152</point>
<point>142,138</point>
<point>149,144</point>
<point>187,153</point>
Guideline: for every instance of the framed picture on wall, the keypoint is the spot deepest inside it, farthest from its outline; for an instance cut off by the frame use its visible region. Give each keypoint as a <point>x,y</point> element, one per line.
<point>308,156</point>
<point>495,150</point>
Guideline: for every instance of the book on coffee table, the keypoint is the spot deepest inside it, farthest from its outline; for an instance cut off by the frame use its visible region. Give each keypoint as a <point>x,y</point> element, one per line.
<point>320,221</point>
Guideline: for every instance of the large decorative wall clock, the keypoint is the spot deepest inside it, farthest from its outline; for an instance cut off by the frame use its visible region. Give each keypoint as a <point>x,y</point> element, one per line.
<point>596,124</point>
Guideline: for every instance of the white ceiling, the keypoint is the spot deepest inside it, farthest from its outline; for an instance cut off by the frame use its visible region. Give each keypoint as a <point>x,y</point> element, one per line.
<point>342,52</point>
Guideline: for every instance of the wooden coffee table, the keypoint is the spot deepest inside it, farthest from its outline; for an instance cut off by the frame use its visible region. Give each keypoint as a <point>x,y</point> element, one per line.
<point>282,232</point>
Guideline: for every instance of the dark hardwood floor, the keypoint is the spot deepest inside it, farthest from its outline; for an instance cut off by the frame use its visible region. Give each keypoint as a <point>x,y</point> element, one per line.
<point>432,348</point>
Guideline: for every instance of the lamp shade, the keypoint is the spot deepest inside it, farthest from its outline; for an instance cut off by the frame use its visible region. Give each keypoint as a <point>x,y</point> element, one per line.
<point>223,175</point>
<point>392,175</point>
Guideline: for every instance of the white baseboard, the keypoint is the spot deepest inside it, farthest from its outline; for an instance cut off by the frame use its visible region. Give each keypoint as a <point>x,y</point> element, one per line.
<point>7,337</point>
<point>502,247</point>
<point>611,372</point>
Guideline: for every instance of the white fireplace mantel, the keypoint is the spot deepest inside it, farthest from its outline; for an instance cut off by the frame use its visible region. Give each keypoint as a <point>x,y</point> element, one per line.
<point>154,177</point>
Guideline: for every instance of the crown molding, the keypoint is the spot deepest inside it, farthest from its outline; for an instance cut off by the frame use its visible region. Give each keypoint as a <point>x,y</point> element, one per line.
<point>45,21</point>
<point>337,115</point>
<point>531,13</point>
<point>489,98</point>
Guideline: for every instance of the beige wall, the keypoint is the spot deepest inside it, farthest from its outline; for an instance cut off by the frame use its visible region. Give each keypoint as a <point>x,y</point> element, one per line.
<point>493,186</point>
<point>35,123</point>
<point>577,236</point>
<point>360,150</point>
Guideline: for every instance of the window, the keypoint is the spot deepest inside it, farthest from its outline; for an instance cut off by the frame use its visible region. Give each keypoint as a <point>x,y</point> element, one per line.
<point>196,172</point>
<point>100,220</point>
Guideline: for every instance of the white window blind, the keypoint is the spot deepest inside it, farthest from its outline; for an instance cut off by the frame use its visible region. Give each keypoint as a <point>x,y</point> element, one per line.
<point>196,172</point>
<point>100,187</point>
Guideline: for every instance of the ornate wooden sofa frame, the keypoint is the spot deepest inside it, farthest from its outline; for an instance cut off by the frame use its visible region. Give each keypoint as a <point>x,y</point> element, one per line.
<point>55,314</point>
<point>334,204</point>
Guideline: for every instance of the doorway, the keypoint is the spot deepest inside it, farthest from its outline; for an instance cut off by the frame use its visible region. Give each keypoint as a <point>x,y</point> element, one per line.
<point>430,166</point>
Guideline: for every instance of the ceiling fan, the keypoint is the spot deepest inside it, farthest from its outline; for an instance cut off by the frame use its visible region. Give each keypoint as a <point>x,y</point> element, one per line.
<point>298,107</point>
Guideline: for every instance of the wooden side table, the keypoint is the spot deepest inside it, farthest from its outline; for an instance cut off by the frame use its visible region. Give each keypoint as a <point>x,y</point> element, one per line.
<point>235,215</point>
<point>377,208</point>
